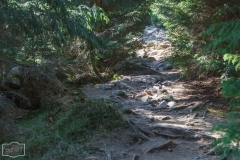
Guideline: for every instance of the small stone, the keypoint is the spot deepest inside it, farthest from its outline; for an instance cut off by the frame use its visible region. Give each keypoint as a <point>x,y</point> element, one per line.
<point>201,147</point>
<point>150,44</point>
<point>166,118</point>
<point>163,91</point>
<point>166,83</point>
<point>170,150</point>
<point>171,104</point>
<point>142,94</point>
<point>144,98</point>
<point>163,104</point>
<point>126,79</point>
<point>167,98</point>
<point>155,98</point>
<point>157,88</point>
<point>151,91</point>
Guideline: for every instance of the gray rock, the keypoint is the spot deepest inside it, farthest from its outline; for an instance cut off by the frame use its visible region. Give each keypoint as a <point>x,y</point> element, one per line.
<point>170,150</point>
<point>126,79</point>
<point>119,93</point>
<point>115,82</point>
<point>144,98</point>
<point>171,104</point>
<point>15,71</point>
<point>13,79</point>
<point>107,87</point>
<point>166,83</point>
<point>157,88</point>
<point>166,118</point>
<point>159,78</point>
<point>167,98</point>
<point>163,104</point>
<point>156,97</point>
<point>123,85</point>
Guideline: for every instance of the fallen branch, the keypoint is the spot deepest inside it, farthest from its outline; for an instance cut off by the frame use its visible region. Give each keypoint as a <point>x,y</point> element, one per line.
<point>161,146</point>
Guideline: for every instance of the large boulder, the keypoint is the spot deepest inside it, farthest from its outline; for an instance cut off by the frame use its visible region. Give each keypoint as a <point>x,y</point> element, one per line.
<point>14,78</point>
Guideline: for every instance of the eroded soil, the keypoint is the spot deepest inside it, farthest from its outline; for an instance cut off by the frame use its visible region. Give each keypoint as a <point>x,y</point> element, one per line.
<point>160,108</point>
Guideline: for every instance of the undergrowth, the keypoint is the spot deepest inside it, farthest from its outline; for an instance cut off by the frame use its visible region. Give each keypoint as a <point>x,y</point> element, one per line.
<point>64,138</point>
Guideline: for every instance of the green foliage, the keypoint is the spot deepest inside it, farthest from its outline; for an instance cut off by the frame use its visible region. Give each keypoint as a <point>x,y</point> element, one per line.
<point>231,90</point>
<point>234,59</point>
<point>225,37</point>
<point>115,76</point>
<point>39,31</point>
<point>205,36</point>
<point>73,127</point>
<point>228,145</point>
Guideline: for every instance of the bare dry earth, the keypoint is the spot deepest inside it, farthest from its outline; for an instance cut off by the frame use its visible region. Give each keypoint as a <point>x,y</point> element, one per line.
<point>170,118</point>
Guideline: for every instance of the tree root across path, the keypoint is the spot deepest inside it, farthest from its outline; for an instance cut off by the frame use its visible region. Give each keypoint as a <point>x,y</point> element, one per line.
<point>162,146</point>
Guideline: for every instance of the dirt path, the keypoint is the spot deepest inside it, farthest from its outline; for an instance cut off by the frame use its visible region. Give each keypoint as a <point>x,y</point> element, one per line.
<point>170,118</point>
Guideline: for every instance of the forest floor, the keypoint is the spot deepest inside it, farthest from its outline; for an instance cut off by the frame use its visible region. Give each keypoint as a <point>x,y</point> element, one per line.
<point>170,117</point>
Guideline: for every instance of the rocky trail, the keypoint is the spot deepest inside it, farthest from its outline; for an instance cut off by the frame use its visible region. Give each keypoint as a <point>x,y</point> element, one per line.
<point>170,119</point>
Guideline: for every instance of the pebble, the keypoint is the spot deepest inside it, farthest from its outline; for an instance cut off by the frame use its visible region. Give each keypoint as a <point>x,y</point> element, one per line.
<point>167,98</point>
<point>166,118</point>
<point>163,104</point>
<point>171,104</point>
<point>144,98</point>
<point>170,150</point>
<point>166,83</point>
